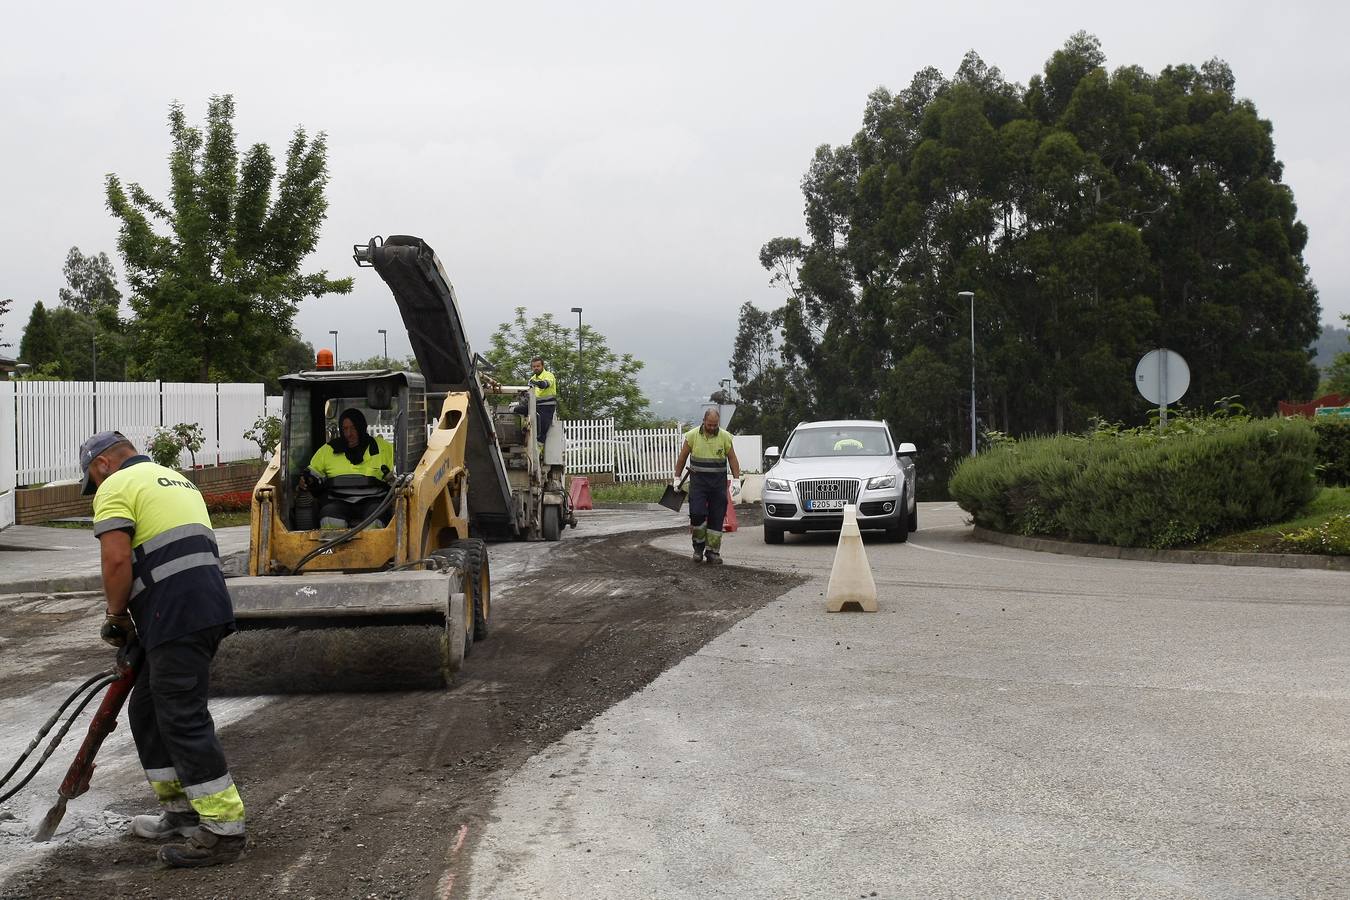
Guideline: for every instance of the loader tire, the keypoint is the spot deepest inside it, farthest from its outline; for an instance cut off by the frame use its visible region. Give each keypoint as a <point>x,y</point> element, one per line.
<point>552,523</point>
<point>476,558</point>
<point>456,558</point>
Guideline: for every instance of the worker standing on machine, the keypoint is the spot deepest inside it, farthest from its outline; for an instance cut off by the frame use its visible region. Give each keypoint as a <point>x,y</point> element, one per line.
<point>545,396</point>
<point>162,580</point>
<point>708,449</point>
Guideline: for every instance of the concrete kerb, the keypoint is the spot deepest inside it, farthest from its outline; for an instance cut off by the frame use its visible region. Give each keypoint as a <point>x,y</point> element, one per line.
<point>1144,554</point>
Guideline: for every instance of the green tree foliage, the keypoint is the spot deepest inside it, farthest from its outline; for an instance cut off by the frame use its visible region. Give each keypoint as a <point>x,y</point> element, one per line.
<point>608,380</point>
<point>91,285</point>
<point>62,343</point>
<point>408,364</point>
<point>1094,214</point>
<point>216,295</point>
<point>1338,373</point>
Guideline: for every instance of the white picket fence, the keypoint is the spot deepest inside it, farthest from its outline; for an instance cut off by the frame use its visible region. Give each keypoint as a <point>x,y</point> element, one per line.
<point>52,418</point>
<point>8,470</point>
<point>643,454</point>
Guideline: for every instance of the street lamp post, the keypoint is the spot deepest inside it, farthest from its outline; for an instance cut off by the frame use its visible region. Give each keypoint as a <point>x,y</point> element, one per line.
<point>335,353</point>
<point>581,386</point>
<point>385,333</point>
<point>970,295</point>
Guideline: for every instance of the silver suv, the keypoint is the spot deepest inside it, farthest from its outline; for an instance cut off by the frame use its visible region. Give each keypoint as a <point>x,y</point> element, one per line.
<point>827,465</point>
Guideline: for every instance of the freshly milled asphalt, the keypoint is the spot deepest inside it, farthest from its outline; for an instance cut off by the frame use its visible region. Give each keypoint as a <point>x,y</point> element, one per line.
<point>1009,724</point>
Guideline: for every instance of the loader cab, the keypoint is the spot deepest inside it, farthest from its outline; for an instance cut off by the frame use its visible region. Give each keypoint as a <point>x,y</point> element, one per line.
<point>394,404</point>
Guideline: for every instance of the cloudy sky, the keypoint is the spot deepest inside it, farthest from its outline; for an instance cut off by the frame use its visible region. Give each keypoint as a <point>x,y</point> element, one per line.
<point>629,158</point>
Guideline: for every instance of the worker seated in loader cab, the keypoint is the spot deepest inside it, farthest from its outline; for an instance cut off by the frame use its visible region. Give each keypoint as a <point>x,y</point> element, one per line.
<point>352,474</point>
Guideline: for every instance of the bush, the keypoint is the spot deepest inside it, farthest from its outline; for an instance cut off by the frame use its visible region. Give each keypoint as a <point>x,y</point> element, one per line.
<point>164,448</point>
<point>1138,488</point>
<point>1333,450</point>
<point>266,433</point>
<point>1332,536</point>
<point>232,501</point>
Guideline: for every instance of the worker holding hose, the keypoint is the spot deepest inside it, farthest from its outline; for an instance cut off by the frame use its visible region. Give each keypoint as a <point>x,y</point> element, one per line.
<point>163,583</point>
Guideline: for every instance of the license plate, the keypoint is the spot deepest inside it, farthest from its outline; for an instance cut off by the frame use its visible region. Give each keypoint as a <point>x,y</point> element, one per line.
<point>825,504</point>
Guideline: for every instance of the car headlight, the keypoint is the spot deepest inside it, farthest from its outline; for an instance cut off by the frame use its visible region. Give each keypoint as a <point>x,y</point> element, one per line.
<point>881,481</point>
<point>775,484</point>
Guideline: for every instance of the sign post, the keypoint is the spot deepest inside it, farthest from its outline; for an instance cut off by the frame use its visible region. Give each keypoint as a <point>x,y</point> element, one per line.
<point>1162,377</point>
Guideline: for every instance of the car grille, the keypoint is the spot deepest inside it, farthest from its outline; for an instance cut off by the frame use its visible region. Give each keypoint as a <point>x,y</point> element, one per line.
<point>813,489</point>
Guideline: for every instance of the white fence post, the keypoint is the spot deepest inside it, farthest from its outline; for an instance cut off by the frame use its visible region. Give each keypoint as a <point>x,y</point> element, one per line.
<point>8,447</point>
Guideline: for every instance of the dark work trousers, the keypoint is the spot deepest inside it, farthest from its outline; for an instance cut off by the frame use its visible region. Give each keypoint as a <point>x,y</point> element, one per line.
<point>167,710</point>
<point>544,417</point>
<point>354,513</point>
<point>708,500</point>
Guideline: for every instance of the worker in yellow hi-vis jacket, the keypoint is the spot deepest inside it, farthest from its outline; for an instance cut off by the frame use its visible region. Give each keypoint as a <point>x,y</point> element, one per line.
<point>162,580</point>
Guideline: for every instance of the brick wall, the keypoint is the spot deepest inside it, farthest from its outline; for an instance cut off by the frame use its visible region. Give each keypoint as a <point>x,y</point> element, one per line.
<point>33,506</point>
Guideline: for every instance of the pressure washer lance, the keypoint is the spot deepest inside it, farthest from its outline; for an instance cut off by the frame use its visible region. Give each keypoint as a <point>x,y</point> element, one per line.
<point>76,782</point>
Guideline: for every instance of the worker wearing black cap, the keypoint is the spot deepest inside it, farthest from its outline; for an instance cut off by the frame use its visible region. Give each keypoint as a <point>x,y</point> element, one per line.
<point>161,565</point>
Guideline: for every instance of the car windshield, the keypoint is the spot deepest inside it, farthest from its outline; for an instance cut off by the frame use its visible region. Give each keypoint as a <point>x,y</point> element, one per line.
<point>845,440</point>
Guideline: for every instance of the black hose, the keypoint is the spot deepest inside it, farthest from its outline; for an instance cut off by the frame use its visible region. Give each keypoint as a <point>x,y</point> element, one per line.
<point>51,748</point>
<point>346,535</point>
<point>47,726</point>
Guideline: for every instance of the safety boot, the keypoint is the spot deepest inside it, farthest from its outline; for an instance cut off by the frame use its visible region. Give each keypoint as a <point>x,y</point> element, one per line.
<point>713,557</point>
<point>204,848</point>
<point>166,825</point>
<point>699,549</point>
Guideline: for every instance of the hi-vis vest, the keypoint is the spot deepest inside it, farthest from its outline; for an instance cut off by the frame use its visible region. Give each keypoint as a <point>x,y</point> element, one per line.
<point>330,463</point>
<point>177,586</point>
<point>708,455</point>
<point>545,389</point>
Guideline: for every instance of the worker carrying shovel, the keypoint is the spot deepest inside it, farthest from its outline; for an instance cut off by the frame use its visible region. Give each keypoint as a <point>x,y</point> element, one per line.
<point>162,580</point>
<point>708,449</point>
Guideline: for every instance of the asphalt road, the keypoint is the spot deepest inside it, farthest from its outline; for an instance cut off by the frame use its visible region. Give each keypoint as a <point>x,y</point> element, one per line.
<point>1009,724</point>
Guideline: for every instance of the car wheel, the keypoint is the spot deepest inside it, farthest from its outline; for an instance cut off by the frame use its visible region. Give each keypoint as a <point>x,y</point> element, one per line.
<point>914,518</point>
<point>773,535</point>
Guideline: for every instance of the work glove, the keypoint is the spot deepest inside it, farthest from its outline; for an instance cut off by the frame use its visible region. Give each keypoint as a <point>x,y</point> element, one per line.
<point>736,484</point>
<point>117,629</point>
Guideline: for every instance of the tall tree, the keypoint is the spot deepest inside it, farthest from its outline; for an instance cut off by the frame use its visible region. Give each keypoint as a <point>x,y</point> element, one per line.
<point>1094,215</point>
<point>604,382</point>
<point>218,293</point>
<point>91,284</point>
<point>41,345</point>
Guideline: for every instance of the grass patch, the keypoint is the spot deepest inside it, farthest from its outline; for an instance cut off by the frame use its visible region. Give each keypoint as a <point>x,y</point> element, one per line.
<point>1330,504</point>
<point>627,493</point>
<point>229,519</point>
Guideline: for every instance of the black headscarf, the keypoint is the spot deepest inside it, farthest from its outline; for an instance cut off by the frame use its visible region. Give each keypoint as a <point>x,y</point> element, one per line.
<point>365,444</point>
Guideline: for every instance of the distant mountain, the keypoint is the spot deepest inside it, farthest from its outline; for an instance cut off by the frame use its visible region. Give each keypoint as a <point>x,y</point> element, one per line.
<point>1333,342</point>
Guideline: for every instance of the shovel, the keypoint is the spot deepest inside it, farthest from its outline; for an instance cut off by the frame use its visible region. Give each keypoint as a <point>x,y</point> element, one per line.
<point>673,497</point>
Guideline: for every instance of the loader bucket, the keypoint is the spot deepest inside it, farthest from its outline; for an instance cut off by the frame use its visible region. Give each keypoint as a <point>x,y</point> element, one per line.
<point>339,632</point>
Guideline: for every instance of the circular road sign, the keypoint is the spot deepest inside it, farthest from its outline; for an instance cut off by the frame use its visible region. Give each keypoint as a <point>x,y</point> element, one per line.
<point>1162,376</point>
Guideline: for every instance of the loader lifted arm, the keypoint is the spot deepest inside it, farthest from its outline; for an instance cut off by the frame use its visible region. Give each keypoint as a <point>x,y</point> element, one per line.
<point>426,301</point>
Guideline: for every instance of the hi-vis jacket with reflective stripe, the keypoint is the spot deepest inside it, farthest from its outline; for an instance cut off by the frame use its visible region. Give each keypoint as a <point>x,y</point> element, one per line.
<point>708,455</point>
<point>177,585</point>
<point>545,389</point>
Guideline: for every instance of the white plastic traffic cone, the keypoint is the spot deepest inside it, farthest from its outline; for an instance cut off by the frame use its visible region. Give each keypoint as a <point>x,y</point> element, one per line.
<point>851,577</point>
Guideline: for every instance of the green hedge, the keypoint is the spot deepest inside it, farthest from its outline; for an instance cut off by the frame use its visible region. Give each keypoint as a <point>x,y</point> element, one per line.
<point>1138,489</point>
<point>1333,451</point>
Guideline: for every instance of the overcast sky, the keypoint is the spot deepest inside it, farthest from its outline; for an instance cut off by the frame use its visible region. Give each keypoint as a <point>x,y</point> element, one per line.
<point>624,157</point>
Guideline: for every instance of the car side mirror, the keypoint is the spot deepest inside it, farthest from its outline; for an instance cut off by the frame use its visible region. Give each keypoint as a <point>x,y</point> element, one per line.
<point>907,449</point>
<point>771,453</point>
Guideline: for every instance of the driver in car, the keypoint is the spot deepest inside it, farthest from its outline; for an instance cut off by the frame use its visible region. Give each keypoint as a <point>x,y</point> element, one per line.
<point>352,471</point>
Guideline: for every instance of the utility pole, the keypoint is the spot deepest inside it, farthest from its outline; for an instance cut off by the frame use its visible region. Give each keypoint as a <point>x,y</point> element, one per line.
<point>581,370</point>
<point>970,295</point>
